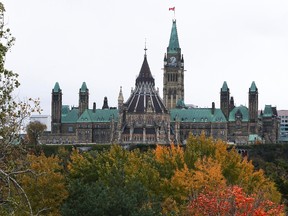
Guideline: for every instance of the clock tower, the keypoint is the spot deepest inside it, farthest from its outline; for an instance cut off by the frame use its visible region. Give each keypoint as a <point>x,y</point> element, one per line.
<point>173,78</point>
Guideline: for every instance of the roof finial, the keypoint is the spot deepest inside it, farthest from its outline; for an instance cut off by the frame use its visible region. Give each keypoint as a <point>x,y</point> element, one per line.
<point>145,49</point>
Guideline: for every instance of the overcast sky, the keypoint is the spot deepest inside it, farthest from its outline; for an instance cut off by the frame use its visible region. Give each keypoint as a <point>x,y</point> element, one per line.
<point>102,42</point>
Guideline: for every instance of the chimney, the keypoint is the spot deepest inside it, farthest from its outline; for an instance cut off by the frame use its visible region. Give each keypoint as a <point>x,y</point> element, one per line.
<point>94,107</point>
<point>213,108</point>
<point>231,106</point>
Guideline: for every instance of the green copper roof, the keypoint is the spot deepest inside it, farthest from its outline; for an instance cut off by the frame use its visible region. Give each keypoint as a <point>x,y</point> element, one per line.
<point>180,104</point>
<point>69,115</point>
<point>254,138</point>
<point>268,111</point>
<point>174,42</point>
<point>56,87</point>
<point>240,110</point>
<point>98,116</point>
<point>197,115</point>
<point>253,87</point>
<point>84,87</point>
<point>224,87</point>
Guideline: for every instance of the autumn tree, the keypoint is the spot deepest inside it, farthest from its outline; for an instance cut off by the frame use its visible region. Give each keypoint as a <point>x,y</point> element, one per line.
<point>44,184</point>
<point>161,181</point>
<point>235,169</point>
<point>34,130</point>
<point>234,201</point>
<point>12,114</point>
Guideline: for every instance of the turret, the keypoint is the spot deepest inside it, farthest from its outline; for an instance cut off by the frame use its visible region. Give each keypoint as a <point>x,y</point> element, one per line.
<point>120,100</point>
<point>224,99</point>
<point>182,61</point>
<point>83,98</point>
<point>105,103</point>
<point>253,103</point>
<point>56,107</point>
<point>165,59</point>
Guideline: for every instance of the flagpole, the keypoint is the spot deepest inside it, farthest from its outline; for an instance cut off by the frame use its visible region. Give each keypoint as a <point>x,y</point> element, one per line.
<point>174,14</point>
<point>173,9</point>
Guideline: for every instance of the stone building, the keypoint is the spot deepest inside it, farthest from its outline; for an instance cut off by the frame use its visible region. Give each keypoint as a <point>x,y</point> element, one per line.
<point>147,119</point>
<point>143,118</point>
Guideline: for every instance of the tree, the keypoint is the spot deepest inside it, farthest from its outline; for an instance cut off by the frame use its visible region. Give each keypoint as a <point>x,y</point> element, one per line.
<point>168,159</point>
<point>44,184</point>
<point>114,182</point>
<point>13,112</point>
<point>12,115</point>
<point>235,169</point>
<point>165,180</point>
<point>232,200</point>
<point>34,130</point>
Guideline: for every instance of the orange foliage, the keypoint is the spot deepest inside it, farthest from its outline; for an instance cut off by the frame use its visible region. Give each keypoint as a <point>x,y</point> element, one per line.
<point>232,201</point>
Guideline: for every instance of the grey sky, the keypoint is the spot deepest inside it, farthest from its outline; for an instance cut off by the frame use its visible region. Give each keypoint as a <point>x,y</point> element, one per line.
<point>102,42</point>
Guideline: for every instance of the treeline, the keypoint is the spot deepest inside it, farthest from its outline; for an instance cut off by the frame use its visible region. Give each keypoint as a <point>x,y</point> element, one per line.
<point>203,179</point>
<point>273,159</point>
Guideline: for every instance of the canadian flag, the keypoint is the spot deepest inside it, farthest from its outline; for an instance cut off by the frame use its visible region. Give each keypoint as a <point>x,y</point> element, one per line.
<point>173,9</point>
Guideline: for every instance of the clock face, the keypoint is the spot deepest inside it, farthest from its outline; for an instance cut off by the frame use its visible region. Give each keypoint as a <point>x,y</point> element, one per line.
<point>172,61</point>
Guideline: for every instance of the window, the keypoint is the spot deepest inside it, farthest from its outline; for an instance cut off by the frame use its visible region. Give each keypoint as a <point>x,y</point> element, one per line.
<point>70,129</point>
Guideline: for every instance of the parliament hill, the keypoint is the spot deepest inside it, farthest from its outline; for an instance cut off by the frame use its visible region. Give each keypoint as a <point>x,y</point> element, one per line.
<point>147,119</point>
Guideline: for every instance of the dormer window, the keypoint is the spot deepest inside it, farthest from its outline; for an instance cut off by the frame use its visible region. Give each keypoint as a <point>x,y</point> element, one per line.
<point>238,115</point>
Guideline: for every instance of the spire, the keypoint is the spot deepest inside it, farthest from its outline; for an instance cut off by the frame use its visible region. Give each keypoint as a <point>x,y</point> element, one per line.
<point>56,87</point>
<point>253,87</point>
<point>224,87</point>
<point>174,42</point>
<point>145,49</point>
<point>145,73</point>
<point>83,87</point>
<point>120,97</point>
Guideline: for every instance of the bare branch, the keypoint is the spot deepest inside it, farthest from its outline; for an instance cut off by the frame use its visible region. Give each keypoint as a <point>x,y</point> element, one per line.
<point>19,187</point>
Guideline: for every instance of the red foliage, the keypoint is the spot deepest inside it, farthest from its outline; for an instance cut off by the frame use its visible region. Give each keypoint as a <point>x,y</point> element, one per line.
<point>232,201</point>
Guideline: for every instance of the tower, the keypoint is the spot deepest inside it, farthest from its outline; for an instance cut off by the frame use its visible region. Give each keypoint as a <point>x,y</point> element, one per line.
<point>225,99</point>
<point>173,77</point>
<point>56,107</point>
<point>83,98</point>
<point>253,102</point>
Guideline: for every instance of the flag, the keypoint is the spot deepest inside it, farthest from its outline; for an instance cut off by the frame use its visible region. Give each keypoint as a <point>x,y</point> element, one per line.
<point>173,9</point>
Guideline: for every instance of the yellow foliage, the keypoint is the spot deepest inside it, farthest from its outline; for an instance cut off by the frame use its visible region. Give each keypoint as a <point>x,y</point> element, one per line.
<point>78,164</point>
<point>207,175</point>
<point>182,184</point>
<point>45,184</point>
<point>139,167</point>
<point>170,207</point>
<point>173,154</point>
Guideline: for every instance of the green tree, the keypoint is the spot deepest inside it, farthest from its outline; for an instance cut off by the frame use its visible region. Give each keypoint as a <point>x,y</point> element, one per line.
<point>34,130</point>
<point>112,182</point>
